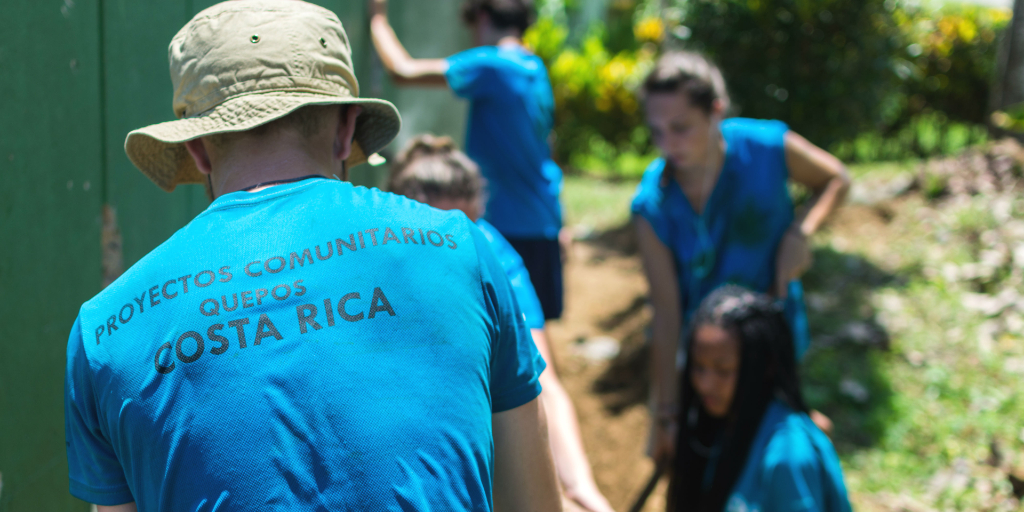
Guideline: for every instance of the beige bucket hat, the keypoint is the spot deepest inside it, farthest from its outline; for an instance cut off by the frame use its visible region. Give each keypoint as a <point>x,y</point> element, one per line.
<point>244,63</point>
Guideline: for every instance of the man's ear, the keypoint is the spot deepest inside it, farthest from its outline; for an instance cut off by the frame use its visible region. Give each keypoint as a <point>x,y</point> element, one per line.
<point>197,148</point>
<point>346,130</point>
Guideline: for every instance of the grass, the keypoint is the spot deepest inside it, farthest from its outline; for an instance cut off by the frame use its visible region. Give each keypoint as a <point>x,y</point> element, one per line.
<point>596,204</point>
<point>926,394</point>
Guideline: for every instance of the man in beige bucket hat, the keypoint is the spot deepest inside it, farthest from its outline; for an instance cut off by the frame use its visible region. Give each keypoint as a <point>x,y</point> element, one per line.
<point>302,344</point>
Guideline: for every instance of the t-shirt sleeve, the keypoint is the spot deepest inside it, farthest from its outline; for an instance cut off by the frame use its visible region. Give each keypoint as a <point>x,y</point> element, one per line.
<point>473,73</point>
<point>526,297</point>
<point>95,474</point>
<point>516,364</point>
<point>769,137</point>
<point>518,276</point>
<point>648,202</point>
<point>791,475</point>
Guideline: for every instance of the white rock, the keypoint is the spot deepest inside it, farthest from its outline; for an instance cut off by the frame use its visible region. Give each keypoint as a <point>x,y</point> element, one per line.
<point>598,348</point>
<point>854,390</point>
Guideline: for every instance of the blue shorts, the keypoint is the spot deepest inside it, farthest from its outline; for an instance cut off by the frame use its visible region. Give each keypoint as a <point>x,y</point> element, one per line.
<point>543,259</point>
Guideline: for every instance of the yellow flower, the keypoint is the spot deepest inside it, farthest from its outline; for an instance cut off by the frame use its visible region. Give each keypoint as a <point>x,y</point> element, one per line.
<point>999,16</point>
<point>947,25</point>
<point>649,29</point>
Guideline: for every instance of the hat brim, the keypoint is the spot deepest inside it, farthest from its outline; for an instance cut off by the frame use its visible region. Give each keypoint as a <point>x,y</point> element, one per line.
<point>159,152</point>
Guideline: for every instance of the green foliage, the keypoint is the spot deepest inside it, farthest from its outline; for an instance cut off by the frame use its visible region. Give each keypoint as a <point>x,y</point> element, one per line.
<point>1011,119</point>
<point>598,123</point>
<point>926,135</point>
<point>871,80</point>
<point>824,67</point>
<point>949,61</point>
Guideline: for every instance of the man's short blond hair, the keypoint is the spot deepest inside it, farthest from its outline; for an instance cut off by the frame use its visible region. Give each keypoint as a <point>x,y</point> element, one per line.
<point>308,121</point>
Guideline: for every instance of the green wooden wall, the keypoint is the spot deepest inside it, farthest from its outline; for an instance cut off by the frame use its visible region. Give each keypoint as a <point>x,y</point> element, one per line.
<point>75,77</point>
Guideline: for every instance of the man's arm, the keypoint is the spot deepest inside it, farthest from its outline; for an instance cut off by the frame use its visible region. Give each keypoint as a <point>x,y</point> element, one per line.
<point>570,458</point>
<point>127,507</point>
<point>524,476</point>
<point>402,67</point>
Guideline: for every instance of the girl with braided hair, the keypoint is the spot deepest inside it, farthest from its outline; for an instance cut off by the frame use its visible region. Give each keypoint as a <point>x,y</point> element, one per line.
<point>745,440</point>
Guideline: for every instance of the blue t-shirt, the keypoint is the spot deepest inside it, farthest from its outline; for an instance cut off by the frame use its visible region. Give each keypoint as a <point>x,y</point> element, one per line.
<point>517,274</point>
<point>311,346</point>
<point>791,467</point>
<point>735,239</point>
<point>511,114</point>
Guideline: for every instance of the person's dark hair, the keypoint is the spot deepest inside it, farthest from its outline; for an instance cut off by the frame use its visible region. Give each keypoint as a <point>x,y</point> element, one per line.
<point>517,14</point>
<point>690,73</point>
<point>767,371</point>
<point>430,168</point>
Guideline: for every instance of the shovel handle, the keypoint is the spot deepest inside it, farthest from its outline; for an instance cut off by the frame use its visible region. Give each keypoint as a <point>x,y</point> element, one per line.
<point>638,504</point>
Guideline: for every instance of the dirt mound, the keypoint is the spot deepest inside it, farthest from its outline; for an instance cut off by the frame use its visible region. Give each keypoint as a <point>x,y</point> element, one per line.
<point>990,169</point>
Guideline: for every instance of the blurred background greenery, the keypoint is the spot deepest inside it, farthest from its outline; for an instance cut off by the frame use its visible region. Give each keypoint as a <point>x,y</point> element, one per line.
<point>870,80</point>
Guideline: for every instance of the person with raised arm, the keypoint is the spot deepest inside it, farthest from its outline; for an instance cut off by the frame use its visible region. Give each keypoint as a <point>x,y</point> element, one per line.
<point>511,115</point>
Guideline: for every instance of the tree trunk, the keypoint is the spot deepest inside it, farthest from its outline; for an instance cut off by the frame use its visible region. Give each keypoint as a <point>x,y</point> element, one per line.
<point>1008,87</point>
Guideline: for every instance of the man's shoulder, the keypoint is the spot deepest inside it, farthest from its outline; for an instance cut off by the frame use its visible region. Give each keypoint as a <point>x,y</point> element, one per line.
<point>402,212</point>
<point>230,230</point>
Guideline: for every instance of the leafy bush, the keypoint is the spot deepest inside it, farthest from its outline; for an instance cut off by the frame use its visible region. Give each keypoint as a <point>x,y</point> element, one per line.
<point>949,63</point>
<point>824,67</point>
<point>598,123</point>
<point>869,79</point>
<point>928,134</point>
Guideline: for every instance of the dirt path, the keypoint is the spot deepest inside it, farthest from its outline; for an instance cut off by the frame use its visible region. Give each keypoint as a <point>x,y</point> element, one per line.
<point>605,293</point>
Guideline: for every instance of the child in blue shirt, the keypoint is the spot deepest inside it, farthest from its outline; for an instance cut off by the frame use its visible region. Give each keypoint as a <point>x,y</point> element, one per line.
<point>745,440</point>
<point>510,119</point>
<point>430,169</point>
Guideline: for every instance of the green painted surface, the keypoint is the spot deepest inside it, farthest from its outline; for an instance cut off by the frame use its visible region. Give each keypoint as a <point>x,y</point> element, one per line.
<point>138,93</point>
<point>50,197</point>
<point>75,77</point>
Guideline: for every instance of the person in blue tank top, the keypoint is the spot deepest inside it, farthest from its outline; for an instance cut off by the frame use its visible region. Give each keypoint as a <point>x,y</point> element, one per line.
<point>432,170</point>
<point>745,440</point>
<point>302,344</point>
<point>715,209</point>
<point>511,115</point>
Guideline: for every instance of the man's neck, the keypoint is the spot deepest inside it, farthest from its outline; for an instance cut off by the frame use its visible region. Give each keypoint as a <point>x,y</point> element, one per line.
<point>510,40</point>
<point>251,166</point>
<point>504,37</point>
